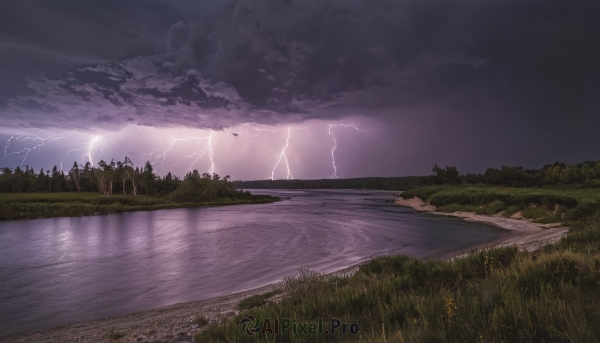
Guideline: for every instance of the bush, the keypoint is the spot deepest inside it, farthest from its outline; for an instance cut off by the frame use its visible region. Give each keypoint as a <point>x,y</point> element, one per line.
<point>534,212</point>
<point>298,287</point>
<point>198,190</point>
<point>201,321</point>
<point>114,336</point>
<point>257,300</point>
<point>456,208</point>
<point>493,207</point>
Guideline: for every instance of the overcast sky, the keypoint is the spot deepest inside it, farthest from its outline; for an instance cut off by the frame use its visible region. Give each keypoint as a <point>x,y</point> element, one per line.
<point>344,88</point>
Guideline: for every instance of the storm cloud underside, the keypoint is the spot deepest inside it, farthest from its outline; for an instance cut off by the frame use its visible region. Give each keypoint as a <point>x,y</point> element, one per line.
<point>459,71</point>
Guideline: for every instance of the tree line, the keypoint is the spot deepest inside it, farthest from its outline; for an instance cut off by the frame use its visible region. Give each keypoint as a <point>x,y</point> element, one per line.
<point>558,173</point>
<point>123,178</point>
<point>551,174</point>
<point>113,178</point>
<point>388,183</point>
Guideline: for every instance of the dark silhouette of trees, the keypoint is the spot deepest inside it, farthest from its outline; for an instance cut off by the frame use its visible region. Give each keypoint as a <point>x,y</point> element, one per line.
<point>107,178</point>
<point>123,178</point>
<point>386,183</point>
<point>587,173</point>
<point>449,175</point>
<point>75,176</point>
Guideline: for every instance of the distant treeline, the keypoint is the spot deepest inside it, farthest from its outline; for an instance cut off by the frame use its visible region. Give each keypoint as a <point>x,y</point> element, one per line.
<point>388,183</point>
<point>120,178</point>
<point>125,179</point>
<point>551,174</point>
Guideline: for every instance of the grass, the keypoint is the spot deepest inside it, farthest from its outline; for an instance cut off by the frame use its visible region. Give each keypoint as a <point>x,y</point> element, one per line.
<point>497,295</point>
<point>114,336</point>
<point>201,321</point>
<point>74,204</point>
<point>545,205</point>
<point>257,300</point>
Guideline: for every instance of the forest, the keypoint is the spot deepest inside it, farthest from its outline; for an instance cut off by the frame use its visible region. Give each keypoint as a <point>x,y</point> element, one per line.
<point>123,178</point>
<point>109,188</point>
<point>551,174</point>
<point>113,178</point>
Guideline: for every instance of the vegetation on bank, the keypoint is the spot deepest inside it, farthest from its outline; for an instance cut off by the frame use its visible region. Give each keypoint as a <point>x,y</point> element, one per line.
<point>257,300</point>
<point>109,188</point>
<point>71,204</point>
<point>564,203</point>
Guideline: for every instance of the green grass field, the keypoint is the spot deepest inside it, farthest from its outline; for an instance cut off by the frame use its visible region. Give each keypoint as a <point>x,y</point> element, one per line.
<point>499,295</point>
<point>74,204</point>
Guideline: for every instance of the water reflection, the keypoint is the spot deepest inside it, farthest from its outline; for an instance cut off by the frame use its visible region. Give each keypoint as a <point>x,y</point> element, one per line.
<point>57,271</point>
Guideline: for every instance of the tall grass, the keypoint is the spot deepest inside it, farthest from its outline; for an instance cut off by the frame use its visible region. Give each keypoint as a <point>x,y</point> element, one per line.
<point>492,296</point>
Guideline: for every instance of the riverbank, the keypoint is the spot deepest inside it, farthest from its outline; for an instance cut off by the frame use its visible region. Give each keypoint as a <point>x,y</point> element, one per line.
<point>526,235</point>
<point>76,204</point>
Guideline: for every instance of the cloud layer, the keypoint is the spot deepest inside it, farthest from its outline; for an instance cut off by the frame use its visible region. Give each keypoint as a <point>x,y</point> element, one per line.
<point>219,64</point>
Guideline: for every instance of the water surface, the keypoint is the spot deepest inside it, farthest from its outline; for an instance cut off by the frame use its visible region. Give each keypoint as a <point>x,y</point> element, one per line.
<point>61,270</point>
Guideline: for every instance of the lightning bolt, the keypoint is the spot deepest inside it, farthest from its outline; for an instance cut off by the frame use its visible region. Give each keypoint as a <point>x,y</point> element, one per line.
<point>335,175</point>
<point>6,147</point>
<point>211,153</point>
<point>38,141</point>
<point>94,140</point>
<point>282,155</point>
<point>86,152</point>
<point>159,155</point>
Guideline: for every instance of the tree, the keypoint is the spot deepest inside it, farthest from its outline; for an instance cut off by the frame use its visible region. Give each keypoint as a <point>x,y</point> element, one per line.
<point>448,175</point>
<point>75,175</point>
<point>196,189</point>
<point>104,177</point>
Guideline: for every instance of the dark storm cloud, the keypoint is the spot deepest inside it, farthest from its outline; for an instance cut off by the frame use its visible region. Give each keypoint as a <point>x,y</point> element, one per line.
<point>217,64</point>
<point>48,36</point>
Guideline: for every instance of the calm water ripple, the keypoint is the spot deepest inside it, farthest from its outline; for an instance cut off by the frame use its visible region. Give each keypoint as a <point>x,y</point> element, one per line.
<point>62,270</point>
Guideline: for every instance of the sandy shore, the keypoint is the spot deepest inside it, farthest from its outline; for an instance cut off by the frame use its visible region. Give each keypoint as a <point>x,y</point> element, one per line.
<point>525,234</point>
<point>175,323</point>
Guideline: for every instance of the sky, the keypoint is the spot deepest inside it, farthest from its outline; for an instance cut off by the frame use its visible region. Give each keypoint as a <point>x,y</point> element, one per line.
<point>261,89</point>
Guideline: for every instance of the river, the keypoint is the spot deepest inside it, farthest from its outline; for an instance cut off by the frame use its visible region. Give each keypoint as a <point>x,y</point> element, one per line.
<point>62,270</point>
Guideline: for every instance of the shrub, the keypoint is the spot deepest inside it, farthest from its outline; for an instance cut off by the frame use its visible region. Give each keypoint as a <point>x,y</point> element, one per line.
<point>534,212</point>
<point>201,321</point>
<point>116,335</point>
<point>298,287</point>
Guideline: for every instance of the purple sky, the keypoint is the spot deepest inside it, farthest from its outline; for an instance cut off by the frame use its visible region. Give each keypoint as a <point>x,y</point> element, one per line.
<point>466,83</point>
